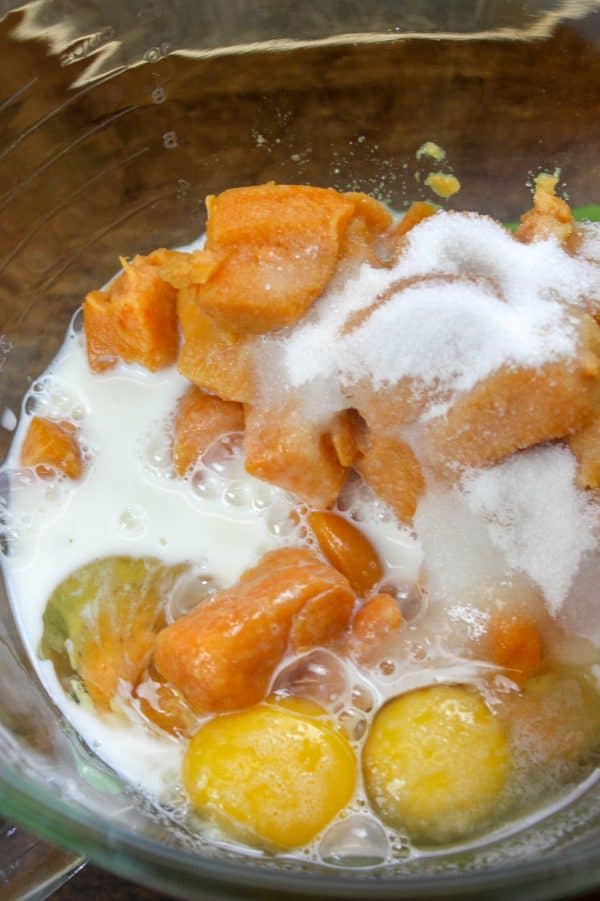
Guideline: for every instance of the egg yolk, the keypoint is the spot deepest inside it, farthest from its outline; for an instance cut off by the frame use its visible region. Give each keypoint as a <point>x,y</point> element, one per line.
<point>435,762</point>
<point>274,775</point>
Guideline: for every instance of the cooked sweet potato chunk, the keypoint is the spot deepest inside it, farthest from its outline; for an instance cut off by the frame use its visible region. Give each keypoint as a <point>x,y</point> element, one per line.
<point>161,704</point>
<point>550,216</point>
<point>392,242</point>
<point>515,644</point>
<point>376,218</point>
<point>390,467</point>
<point>321,623</point>
<point>211,357</point>
<point>280,246</point>
<point>586,447</point>
<point>52,446</point>
<point>134,319</point>
<point>376,621</point>
<point>344,430</point>
<point>517,408</point>
<point>270,252</point>
<point>389,408</point>
<point>258,289</point>
<point>348,549</point>
<point>285,448</point>
<point>416,212</point>
<point>201,419</point>
<point>221,656</point>
<point>269,213</point>
<point>369,222</point>
<point>181,269</point>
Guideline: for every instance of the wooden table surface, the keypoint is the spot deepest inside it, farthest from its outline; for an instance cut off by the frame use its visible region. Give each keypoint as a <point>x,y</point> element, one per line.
<point>94,883</point>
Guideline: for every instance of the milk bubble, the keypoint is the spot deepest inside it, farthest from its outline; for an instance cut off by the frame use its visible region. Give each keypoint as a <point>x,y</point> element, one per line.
<point>357,841</point>
<point>318,676</point>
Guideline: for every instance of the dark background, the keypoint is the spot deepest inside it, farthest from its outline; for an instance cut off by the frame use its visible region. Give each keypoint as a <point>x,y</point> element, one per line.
<point>93,883</point>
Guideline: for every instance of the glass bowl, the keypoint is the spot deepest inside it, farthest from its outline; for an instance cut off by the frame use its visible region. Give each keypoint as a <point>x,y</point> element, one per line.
<point>116,120</point>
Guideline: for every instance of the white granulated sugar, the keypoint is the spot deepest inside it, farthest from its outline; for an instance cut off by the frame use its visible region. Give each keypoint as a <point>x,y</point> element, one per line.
<point>452,334</point>
<point>589,241</point>
<point>309,351</point>
<point>536,516</point>
<point>458,553</point>
<point>467,244</point>
<point>465,298</point>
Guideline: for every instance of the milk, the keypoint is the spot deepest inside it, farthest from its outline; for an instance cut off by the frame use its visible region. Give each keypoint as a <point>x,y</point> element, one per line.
<point>130,501</point>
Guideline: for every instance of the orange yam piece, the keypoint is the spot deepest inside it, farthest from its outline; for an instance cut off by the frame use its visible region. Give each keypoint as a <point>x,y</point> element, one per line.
<point>201,419</point>
<point>344,436</point>
<point>385,409</point>
<point>586,447</point>
<point>393,240</point>
<point>517,408</point>
<point>271,251</point>
<point>358,247</point>
<point>550,216</point>
<point>515,644</point>
<point>376,621</point>
<point>374,215</point>
<point>211,357</point>
<point>347,549</point>
<point>281,245</point>
<point>416,212</point>
<point>389,408</point>
<point>163,705</point>
<point>284,448</point>
<point>181,269</point>
<point>221,656</point>
<point>369,222</point>
<point>392,470</point>
<point>49,446</point>
<point>134,320</point>
<point>321,623</point>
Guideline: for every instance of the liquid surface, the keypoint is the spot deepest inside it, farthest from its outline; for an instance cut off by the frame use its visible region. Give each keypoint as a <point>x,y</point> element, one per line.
<point>130,501</point>
<point>56,527</point>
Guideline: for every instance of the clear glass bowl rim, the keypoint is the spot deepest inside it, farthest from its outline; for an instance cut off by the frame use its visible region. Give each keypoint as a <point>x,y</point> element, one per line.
<point>159,866</point>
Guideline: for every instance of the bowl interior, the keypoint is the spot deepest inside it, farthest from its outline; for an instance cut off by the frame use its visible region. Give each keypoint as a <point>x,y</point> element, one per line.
<point>116,121</point>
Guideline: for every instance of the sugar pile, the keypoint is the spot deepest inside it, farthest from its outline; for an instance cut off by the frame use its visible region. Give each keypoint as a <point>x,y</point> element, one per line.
<point>457,548</point>
<point>463,299</point>
<point>524,517</point>
<point>536,516</point>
